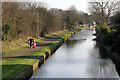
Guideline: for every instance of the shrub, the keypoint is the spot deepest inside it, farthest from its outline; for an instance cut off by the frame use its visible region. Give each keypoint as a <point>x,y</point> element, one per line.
<point>118,44</point>
<point>108,40</point>
<point>105,29</point>
<point>6,32</point>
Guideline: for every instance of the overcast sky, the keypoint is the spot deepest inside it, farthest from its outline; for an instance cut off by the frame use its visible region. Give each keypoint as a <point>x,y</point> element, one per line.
<point>81,5</point>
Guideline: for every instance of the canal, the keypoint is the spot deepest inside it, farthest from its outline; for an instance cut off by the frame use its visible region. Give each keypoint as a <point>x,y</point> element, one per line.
<point>77,58</point>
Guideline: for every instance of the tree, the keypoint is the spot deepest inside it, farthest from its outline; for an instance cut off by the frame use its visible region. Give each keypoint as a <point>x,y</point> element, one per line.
<point>70,17</point>
<point>115,19</point>
<point>25,19</point>
<point>103,9</point>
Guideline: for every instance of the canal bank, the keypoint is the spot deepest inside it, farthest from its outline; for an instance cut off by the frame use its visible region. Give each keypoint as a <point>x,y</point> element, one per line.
<point>38,58</point>
<point>108,53</point>
<point>78,57</point>
<point>32,69</point>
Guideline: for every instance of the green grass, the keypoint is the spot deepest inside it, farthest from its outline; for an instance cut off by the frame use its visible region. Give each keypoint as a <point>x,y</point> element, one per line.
<point>17,46</point>
<point>14,51</point>
<point>81,27</point>
<point>14,66</point>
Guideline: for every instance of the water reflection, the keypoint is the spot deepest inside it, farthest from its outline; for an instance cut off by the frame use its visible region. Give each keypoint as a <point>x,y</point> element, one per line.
<point>72,43</point>
<point>77,58</point>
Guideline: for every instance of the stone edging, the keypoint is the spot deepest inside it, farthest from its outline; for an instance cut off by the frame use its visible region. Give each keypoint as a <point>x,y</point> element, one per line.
<point>29,71</point>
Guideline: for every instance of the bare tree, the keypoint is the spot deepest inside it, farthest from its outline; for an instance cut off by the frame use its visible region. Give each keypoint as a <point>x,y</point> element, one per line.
<point>73,8</point>
<point>103,9</point>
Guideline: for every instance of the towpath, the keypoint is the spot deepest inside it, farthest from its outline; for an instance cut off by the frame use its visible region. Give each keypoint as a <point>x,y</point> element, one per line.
<point>39,45</point>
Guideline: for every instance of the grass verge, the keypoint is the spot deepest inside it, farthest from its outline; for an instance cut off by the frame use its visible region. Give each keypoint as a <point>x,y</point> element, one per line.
<point>19,45</point>
<point>13,67</point>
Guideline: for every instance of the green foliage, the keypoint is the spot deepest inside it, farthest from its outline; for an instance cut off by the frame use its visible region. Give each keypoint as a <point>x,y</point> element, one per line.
<point>6,31</point>
<point>98,28</point>
<point>108,39</point>
<point>118,44</point>
<point>103,29</point>
<point>111,39</point>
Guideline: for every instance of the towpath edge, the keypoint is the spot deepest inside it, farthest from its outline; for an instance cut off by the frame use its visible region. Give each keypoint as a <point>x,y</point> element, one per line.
<point>55,44</point>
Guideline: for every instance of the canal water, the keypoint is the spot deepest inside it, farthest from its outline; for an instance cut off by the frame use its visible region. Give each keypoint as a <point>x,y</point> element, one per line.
<point>77,58</point>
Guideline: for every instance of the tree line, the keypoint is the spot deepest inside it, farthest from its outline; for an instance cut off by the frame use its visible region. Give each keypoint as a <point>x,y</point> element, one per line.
<point>22,19</point>
<point>107,16</point>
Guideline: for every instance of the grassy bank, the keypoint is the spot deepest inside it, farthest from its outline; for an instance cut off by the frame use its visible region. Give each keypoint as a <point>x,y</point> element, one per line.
<point>21,44</point>
<point>13,67</point>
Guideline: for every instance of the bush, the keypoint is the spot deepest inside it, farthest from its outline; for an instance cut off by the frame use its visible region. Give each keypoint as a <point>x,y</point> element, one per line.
<point>6,32</point>
<point>118,44</point>
<point>108,39</point>
<point>104,29</point>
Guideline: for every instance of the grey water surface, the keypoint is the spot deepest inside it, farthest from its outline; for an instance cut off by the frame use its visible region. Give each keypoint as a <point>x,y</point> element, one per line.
<point>77,58</point>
